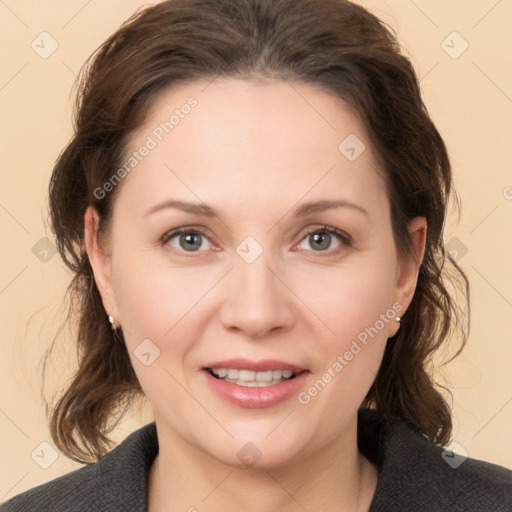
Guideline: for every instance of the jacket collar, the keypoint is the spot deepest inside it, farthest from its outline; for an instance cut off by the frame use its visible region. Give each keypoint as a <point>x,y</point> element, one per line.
<point>413,472</point>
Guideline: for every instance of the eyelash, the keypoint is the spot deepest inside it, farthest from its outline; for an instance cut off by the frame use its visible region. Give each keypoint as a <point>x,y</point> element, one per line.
<point>344,237</point>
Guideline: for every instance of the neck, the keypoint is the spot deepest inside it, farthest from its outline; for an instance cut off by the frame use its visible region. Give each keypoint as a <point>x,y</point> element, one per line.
<point>334,477</point>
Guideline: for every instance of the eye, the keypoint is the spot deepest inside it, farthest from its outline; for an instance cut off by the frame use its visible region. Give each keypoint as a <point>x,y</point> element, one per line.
<point>192,240</point>
<point>322,239</point>
<point>187,239</point>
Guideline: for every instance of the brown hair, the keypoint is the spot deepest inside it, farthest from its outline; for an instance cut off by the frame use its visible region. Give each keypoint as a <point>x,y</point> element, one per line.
<point>333,44</point>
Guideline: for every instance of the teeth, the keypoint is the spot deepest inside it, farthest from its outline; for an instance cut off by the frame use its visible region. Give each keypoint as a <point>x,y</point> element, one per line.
<point>245,375</point>
<point>233,374</point>
<point>265,376</point>
<point>250,378</point>
<point>256,384</point>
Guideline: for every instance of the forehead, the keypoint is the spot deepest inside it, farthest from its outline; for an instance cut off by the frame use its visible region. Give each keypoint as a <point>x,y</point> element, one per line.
<point>247,140</point>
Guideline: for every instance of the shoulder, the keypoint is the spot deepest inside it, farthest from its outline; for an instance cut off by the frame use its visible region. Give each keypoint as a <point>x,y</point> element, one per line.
<point>118,481</point>
<point>417,475</point>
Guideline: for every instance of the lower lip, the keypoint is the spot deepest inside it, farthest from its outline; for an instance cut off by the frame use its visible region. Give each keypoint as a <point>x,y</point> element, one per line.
<point>257,398</point>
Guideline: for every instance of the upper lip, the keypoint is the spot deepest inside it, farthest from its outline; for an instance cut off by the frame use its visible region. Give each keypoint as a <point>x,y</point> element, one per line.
<point>256,366</point>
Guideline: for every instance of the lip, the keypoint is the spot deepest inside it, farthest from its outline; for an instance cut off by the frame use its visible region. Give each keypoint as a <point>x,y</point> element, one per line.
<point>256,398</point>
<point>256,366</point>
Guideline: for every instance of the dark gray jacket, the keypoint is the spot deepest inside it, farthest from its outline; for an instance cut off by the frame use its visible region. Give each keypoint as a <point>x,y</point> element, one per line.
<point>415,475</point>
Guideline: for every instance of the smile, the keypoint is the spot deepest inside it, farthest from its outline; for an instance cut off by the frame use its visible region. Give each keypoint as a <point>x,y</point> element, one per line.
<point>246,389</point>
<point>251,379</point>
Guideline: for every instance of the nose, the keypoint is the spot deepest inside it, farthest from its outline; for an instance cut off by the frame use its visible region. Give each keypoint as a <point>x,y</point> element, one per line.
<point>257,299</point>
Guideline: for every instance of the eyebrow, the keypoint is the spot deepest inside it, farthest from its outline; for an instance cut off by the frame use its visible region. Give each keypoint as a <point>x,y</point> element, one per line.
<point>207,211</point>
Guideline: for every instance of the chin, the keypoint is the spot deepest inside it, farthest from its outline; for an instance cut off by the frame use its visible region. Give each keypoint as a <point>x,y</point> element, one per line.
<point>258,453</point>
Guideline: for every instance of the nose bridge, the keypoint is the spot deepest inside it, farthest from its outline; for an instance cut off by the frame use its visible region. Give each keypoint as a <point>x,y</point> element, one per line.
<point>256,301</point>
<point>254,279</point>
<point>255,284</point>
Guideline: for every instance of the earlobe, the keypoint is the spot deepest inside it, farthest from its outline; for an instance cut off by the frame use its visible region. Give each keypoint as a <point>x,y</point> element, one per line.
<point>100,262</point>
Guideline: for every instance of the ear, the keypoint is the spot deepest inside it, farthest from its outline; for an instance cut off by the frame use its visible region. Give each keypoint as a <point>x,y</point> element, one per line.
<point>408,269</point>
<point>100,262</point>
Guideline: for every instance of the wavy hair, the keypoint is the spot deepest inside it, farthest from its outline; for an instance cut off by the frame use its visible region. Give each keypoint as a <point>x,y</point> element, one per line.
<point>333,44</point>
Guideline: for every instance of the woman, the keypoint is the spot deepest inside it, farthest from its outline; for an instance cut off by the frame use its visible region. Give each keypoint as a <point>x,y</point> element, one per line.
<point>217,144</point>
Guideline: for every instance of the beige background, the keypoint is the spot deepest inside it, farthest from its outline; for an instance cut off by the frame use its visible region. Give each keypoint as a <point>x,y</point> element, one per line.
<point>469,97</point>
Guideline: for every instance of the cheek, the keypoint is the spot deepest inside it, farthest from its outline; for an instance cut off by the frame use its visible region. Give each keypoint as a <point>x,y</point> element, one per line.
<point>359,311</point>
<point>352,298</point>
<point>355,302</point>
<point>153,299</point>
<point>158,303</point>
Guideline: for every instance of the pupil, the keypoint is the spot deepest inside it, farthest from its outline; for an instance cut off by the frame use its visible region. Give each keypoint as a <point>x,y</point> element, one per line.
<point>324,238</point>
<point>189,241</point>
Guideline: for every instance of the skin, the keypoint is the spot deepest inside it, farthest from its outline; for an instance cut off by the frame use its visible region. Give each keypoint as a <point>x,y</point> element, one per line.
<point>254,152</point>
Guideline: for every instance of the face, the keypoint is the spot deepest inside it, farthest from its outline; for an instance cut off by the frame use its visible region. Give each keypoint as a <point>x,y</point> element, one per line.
<point>286,260</point>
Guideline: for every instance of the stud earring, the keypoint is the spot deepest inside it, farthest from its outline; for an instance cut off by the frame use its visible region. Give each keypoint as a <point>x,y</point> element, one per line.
<point>398,319</point>
<point>112,320</point>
